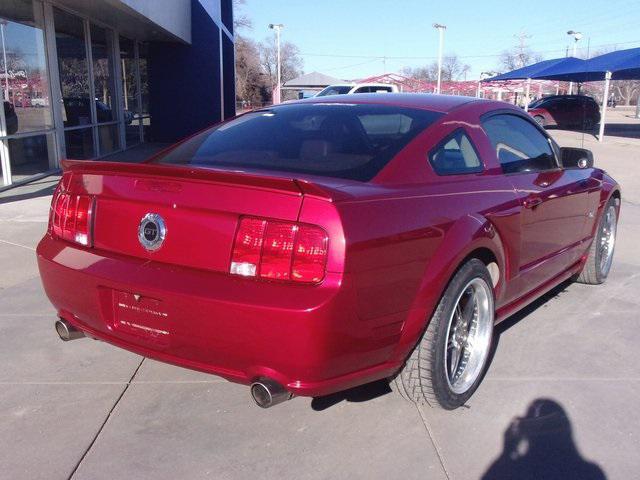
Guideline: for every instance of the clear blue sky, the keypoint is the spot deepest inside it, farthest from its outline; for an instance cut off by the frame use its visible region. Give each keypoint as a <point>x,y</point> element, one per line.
<point>477,31</point>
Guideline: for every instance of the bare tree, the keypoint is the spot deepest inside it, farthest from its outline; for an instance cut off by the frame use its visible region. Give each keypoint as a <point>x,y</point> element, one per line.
<point>290,59</point>
<point>452,69</point>
<point>519,56</point>
<point>256,62</point>
<point>251,80</point>
<point>240,20</point>
<point>627,91</point>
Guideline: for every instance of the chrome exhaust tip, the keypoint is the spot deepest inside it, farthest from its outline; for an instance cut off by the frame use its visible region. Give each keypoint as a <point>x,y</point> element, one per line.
<point>267,393</point>
<point>66,331</point>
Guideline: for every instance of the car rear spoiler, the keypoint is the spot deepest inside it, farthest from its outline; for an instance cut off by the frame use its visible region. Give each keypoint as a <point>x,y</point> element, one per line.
<point>250,179</point>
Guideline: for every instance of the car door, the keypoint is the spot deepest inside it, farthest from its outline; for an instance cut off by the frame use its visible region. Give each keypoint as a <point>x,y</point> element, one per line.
<point>553,205</point>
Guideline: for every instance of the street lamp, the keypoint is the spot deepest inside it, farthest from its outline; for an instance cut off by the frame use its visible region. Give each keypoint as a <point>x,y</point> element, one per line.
<point>277,27</point>
<point>576,38</point>
<point>441,28</point>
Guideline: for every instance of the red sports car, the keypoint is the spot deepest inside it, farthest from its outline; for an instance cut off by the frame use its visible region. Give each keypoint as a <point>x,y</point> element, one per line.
<point>314,246</point>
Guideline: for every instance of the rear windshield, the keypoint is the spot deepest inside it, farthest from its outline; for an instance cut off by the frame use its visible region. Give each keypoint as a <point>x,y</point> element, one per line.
<point>335,90</point>
<point>333,140</point>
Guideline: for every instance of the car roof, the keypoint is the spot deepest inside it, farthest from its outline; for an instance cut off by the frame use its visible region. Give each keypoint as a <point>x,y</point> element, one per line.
<point>423,101</point>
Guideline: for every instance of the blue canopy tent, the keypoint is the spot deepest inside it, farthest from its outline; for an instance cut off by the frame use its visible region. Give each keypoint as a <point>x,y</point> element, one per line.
<point>618,65</point>
<point>537,70</point>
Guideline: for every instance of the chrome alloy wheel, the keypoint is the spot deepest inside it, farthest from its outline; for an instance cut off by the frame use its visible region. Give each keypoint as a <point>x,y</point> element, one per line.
<point>469,335</point>
<point>608,240</point>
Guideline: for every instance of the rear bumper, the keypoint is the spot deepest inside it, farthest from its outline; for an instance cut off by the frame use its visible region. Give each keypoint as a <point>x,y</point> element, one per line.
<point>308,338</point>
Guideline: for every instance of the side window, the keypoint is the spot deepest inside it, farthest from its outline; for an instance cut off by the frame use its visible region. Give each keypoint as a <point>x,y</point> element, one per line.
<point>520,146</point>
<point>455,155</point>
<point>362,90</point>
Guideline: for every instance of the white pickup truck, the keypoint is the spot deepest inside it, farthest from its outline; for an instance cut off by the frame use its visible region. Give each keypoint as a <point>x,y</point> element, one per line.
<point>350,88</point>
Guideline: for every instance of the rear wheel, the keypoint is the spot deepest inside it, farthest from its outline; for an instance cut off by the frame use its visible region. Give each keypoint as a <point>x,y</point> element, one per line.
<point>598,264</point>
<point>539,120</point>
<point>449,362</point>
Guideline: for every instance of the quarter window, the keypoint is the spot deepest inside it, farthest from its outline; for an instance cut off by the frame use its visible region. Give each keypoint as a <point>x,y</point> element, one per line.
<point>455,155</point>
<point>520,146</point>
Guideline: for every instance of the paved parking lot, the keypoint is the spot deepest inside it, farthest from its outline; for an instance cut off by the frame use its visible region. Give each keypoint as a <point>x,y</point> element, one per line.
<point>560,394</point>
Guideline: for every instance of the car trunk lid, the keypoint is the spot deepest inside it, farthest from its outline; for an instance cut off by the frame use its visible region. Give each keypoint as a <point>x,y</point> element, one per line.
<point>199,207</point>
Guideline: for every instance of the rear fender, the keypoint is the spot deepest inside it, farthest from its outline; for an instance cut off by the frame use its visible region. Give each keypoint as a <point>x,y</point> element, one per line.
<point>466,236</point>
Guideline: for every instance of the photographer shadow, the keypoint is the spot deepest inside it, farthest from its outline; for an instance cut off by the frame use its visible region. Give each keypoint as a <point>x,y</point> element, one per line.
<point>540,446</point>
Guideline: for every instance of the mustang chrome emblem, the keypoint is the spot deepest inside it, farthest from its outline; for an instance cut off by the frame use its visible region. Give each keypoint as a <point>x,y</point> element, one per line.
<point>152,231</point>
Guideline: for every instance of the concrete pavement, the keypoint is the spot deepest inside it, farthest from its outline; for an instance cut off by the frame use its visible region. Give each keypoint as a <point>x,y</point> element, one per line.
<point>86,410</point>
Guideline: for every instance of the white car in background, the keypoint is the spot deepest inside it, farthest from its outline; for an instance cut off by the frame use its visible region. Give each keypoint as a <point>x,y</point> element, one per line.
<point>39,102</point>
<point>351,88</point>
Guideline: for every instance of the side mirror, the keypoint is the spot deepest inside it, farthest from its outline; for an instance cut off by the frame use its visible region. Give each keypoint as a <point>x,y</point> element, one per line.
<point>576,157</point>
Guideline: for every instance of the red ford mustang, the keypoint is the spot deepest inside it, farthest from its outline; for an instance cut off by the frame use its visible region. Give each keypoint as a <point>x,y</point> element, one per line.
<point>319,245</point>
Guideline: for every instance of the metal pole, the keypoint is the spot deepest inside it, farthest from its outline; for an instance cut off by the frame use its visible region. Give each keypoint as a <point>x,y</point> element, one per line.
<point>478,91</point>
<point>4,59</point>
<point>441,29</point>
<point>526,98</point>
<point>124,85</point>
<point>605,98</point>
<point>277,27</point>
<point>575,44</point>
<point>279,64</point>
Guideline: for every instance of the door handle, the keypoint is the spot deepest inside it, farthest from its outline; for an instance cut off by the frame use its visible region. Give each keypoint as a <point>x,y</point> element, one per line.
<point>532,202</point>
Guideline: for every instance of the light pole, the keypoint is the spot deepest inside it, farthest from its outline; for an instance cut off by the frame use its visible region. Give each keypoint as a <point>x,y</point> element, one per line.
<point>576,38</point>
<point>3,24</point>
<point>441,28</point>
<point>277,27</point>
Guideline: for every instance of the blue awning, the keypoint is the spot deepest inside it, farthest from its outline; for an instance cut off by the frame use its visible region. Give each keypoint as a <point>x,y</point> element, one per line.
<point>538,69</point>
<point>623,65</point>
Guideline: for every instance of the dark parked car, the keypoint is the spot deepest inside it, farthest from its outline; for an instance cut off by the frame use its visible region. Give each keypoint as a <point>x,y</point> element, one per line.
<point>566,111</point>
<point>11,118</point>
<point>319,245</point>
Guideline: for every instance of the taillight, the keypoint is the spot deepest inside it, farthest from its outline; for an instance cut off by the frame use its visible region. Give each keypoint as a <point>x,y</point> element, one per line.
<point>70,217</point>
<point>276,250</point>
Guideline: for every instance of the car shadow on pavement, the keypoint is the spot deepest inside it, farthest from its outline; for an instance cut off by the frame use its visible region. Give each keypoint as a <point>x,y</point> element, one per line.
<point>362,393</point>
<point>540,445</point>
<point>555,292</point>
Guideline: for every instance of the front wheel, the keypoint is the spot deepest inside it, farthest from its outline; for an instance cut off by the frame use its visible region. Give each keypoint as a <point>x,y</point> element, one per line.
<point>600,257</point>
<point>449,362</point>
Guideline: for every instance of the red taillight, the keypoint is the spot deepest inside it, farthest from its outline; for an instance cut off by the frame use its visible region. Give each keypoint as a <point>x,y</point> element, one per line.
<point>277,250</point>
<point>70,217</point>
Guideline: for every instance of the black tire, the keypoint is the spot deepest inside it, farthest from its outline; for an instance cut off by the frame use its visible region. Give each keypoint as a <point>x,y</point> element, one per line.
<point>595,270</point>
<point>539,120</point>
<point>423,378</point>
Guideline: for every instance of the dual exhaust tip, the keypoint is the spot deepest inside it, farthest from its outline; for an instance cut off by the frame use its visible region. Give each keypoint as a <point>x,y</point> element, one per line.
<point>265,391</point>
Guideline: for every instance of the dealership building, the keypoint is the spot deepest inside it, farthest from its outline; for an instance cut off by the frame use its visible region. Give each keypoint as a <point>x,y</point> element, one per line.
<point>86,79</point>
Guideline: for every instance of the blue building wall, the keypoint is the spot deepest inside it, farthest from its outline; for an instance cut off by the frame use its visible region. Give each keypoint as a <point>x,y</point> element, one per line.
<point>184,81</point>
